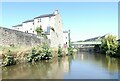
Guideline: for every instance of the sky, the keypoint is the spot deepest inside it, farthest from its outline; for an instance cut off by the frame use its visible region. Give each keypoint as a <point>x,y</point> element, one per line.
<point>84,19</point>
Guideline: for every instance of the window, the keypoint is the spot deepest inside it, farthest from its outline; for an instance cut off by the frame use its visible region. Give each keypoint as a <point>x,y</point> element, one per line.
<point>66,42</point>
<point>40,20</point>
<point>66,37</point>
<point>30,28</point>
<point>33,23</point>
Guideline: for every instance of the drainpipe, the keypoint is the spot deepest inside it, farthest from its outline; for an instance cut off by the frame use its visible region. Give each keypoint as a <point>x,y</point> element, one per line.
<point>69,37</point>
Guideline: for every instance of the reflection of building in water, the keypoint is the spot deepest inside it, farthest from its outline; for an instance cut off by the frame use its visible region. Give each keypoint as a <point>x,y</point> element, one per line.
<point>66,64</point>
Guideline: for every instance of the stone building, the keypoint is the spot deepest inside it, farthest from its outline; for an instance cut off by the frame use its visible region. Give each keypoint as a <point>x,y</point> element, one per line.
<point>51,24</point>
<point>66,38</point>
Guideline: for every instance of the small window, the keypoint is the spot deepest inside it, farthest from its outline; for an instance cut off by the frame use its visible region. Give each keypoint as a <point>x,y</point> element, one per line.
<point>66,37</point>
<point>66,42</point>
<point>30,28</point>
<point>40,20</point>
<point>33,23</point>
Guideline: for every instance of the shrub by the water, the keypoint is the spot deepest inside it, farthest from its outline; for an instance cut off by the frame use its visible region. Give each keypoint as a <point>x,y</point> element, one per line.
<point>40,53</point>
<point>118,51</point>
<point>70,50</point>
<point>8,58</point>
<point>60,53</point>
<point>46,52</point>
<point>33,56</point>
<point>109,46</point>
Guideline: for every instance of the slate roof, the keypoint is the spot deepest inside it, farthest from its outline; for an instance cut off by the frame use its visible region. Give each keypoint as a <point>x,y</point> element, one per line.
<point>28,21</point>
<point>41,16</point>
<point>17,25</point>
<point>45,15</point>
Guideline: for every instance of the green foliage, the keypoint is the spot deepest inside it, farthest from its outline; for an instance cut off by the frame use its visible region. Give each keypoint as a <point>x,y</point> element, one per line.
<point>39,30</point>
<point>118,51</point>
<point>109,45</point>
<point>97,48</point>
<point>70,50</point>
<point>45,36</point>
<point>46,52</point>
<point>40,53</point>
<point>60,54</point>
<point>34,55</point>
<point>8,58</point>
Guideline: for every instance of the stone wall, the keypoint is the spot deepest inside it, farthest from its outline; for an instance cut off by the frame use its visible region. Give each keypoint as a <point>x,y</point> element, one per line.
<point>13,37</point>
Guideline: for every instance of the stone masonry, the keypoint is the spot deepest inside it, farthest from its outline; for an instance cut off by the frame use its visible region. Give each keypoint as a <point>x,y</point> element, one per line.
<point>10,37</point>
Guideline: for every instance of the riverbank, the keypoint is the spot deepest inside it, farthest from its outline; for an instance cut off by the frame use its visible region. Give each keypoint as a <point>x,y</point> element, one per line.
<point>16,55</point>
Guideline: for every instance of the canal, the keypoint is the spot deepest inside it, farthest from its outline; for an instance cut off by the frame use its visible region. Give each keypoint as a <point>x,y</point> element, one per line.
<point>83,65</point>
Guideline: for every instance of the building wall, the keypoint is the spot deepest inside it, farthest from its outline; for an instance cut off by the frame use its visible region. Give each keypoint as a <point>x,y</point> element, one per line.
<point>20,28</point>
<point>28,27</point>
<point>56,37</point>
<point>66,39</point>
<point>9,37</point>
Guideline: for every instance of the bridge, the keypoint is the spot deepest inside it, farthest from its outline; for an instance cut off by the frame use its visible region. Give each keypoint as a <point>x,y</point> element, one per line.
<point>89,42</point>
<point>86,44</point>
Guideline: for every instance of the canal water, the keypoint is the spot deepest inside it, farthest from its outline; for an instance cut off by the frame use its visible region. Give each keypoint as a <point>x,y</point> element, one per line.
<point>83,65</point>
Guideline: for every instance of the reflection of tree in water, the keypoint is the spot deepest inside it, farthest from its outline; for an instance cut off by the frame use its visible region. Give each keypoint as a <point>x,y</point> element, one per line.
<point>41,69</point>
<point>16,71</point>
<point>70,58</point>
<point>113,65</point>
<point>60,61</point>
<point>107,62</point>
<point>27,70</point>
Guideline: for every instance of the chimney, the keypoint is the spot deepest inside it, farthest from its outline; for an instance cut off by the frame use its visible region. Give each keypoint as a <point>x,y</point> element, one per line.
<point>56,12</point>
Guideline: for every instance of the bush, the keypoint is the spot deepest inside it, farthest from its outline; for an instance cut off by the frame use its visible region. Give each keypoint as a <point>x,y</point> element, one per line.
<point>34,55</point>
<point>40,53</point>
<point>97,48</point>
<point>118,51</point>
<point>70,50</point>
<point>109,45</point>
<point>8,58</point>
<point>46,52</point>
<point>60,54</point>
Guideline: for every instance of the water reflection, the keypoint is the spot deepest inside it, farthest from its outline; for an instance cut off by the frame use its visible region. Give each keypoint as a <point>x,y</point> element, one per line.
<point>83,65</point>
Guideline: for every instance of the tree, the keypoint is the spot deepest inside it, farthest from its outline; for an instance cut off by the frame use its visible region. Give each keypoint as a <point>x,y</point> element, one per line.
<point>118,52</point>
<point>39,30</point>
<point>109,45</point>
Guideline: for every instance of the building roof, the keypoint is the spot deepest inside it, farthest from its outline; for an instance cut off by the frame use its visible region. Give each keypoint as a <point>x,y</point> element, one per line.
<point>96,38</point>
<point>65,31</point>
<point>92,39</point>
<point>28,21</point>
<point>41,16</point>
<point>45,15</point>
<point>17,25</point>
